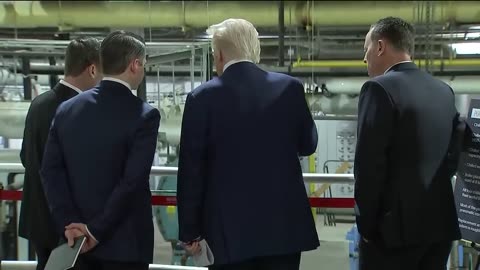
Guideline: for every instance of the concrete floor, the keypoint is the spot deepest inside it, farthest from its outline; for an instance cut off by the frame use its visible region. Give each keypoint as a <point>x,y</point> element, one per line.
<point>331,255</point>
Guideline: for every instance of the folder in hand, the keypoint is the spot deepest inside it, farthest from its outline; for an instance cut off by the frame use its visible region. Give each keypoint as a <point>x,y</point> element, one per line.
<point>205,257</point>
<point>64,257</point>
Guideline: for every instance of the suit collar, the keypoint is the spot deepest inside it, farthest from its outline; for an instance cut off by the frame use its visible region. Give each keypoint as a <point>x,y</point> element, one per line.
<point>114,87</point>
<point>64,91</point>
<point>230,63</point>
<point>405,65</point>
<point>71,86</point>
<point>239,67</point>
<point>124,83</point>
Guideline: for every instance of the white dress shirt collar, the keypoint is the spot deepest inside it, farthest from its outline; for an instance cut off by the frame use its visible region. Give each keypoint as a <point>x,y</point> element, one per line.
<point>229,63</point>
<point>388,69</point>
<point>118,81</point>
<point>71,86</point>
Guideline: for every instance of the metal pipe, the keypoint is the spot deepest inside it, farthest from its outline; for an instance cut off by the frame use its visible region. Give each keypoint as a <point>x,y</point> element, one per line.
<point>192,67</point>
<point>31,265</point>
<point>335,117</point>
<point>281,35</point>
<point>360,64</point>
<point>27,83</point>
<point>78,14</point>
<point>321,178</point>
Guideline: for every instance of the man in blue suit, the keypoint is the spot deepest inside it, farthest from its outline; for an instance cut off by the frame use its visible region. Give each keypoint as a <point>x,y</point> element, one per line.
<point>97,163</point>
<point>240,184</point>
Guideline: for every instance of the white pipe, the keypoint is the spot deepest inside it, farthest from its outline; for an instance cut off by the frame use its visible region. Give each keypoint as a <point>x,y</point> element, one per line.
<point>6,77</point>
<point>12,119</point>
<point>12,114</point>
<point>9,156</point>
<point>353,85</point>
<point>338,104</point>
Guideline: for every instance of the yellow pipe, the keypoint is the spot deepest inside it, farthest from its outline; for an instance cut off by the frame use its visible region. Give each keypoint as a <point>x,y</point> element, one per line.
<point>341,13</point>
<point>73,14</point>
<point>359,63</point>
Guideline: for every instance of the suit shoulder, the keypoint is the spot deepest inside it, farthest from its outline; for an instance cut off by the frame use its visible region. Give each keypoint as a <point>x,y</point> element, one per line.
<point>376,82</point>
<point>82,97</point>
<point>149,109</point>
<point>145,110</point>
<point>207,87</point>
<point>44,98</point>
<point>287,79</point>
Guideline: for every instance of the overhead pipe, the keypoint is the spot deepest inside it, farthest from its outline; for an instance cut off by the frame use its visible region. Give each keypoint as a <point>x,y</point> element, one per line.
<point>445,63</point>
<point>281,35</point>
<point>74,14</point>
<point>349,13</point>
<point>461,85</point>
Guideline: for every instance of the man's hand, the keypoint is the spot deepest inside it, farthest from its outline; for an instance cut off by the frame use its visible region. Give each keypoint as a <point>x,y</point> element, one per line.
<point>90,243</point>
<point>193,248</point>
<point>71,235</point>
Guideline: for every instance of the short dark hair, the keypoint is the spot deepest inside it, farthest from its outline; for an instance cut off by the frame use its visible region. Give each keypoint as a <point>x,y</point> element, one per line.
<point>118,49</point>
<point>400,33</point>
<point>81,53</point>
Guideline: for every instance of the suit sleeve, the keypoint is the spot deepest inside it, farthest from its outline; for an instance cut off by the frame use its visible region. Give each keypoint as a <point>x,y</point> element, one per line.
<point>135,177</point>
<point>192,169</point>
<point>375,118</point>
<point>27,134</point>
<point>460,134</point>
<point>54,177</point>
<point>308,139</point>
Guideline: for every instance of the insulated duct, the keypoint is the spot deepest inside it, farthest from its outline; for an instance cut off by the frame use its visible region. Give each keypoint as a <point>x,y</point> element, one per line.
<point>74,14</point>
<point>12,119</point>
<point>352,85</point>
<point>342,100</point>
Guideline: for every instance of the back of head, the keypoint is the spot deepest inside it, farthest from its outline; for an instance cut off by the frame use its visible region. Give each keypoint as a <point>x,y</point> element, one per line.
<point>389,41</point>
<point>399,33</point>
<point>237,38</point>
<point>119,49</point>
<point>80,54</point>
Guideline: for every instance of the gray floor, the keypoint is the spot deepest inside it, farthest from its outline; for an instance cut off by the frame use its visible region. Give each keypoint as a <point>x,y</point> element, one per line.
<point>332,253</point>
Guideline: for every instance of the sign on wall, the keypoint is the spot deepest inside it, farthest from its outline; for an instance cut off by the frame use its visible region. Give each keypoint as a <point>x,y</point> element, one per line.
<point>467,187</point>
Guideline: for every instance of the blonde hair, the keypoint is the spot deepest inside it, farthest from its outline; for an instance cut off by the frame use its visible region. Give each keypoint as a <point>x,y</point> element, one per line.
<point>237,38</point>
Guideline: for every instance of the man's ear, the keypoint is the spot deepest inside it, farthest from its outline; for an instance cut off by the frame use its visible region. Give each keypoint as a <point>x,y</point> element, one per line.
<point>381,45</point>
<point>92,71</point>
<point>220,55</point>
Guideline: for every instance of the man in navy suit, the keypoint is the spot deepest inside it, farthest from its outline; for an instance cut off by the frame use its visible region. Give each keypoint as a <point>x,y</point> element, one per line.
<point>405,157</point>
<point>240,184</point>
<point>97,163</point>
<point>82,72</point>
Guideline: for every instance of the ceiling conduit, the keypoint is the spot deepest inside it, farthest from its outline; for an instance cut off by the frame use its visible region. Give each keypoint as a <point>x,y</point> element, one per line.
<point>72,14</point>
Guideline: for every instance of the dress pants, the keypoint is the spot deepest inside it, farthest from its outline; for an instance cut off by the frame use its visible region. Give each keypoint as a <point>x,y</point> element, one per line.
<point>426,257</point>
<point>42,255</point>
<point>279,262</point>
<point>86,262</point>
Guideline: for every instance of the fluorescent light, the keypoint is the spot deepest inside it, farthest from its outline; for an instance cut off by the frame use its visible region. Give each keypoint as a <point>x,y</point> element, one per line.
<point>466,48</point>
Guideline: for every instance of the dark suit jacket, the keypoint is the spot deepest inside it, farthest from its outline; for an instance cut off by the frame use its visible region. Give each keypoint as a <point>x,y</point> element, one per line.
<point>35,220</point>
<point>96,170</point>
<point>240,183</point>
<point>403,165</point>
